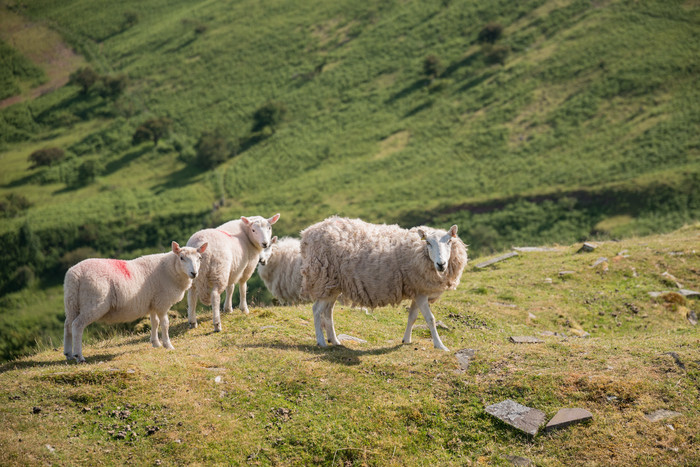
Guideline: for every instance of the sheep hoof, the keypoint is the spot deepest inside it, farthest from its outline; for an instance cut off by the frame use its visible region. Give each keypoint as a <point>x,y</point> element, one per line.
<point>170,347</point>
<point>193,325</point>
<point>156,344</point>
<point>245,310</point>
<point>228,310</point>
<point>442,348</point>
<point>217,327</point>
<point>79,358</point>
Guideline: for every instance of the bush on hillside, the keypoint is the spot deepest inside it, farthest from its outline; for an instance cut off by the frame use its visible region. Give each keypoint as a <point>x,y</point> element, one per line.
<point>269,116</point>
<point>431,66</point>
<point>13,204</point>
<point>85,77</point>
<point>131,18</point>
<point>112,86</point>
<point>490,33</point>
<point>213,148</point>
<point>152,130</point>
<point>46,157</point>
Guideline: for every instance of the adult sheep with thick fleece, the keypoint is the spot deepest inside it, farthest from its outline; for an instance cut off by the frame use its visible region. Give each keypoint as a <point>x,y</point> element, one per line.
<point>280,270</point>
<point>118,291</point>
<point>233,252</point>
<point>377,265</point>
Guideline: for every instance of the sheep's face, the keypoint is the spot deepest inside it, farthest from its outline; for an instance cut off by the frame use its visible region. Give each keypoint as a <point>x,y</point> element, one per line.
<point>190,259</point>
<point>260,229</point>
<point>267,252</point>
<point>439,246</point>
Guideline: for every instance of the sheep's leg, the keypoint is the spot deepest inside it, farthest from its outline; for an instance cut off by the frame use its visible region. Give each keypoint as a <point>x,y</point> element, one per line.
<point>318,308</point>
<point>80,323</point>
<point>228,304</point>
<point>242,289</point>
<point>68,338</point>
<point>164,330</point>
<point>192,307</point>
<point>422,301</point>
<point>412,315</point>
<point>154,329</point>
<point>329,324</point>
<point>216,308</point>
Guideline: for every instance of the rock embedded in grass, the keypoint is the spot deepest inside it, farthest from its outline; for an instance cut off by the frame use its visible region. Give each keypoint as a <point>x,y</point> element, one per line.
<point>566,417</point>
<point>661,414</point>
<point>464,357</point>
<point>525,340</point>
<point>496,259</point>
<point>519,416</point>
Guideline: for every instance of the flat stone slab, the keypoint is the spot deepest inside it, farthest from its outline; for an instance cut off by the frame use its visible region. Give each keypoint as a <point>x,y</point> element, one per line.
<point>587,247</point>
<point>525,249</point>
<point>496,259</point>
<point>525,340</point>
<point>689,293</point>
<point>465,357</point>
<point>519,461</point>
<point>600,260</point>
<point>661,414</point>
<point>345,337</point>
<point>566,417</point>
<point>518,416</point>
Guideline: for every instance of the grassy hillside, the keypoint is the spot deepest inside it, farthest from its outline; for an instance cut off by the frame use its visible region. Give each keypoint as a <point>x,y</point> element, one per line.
<point>262,392</point>
<point>579,121</point>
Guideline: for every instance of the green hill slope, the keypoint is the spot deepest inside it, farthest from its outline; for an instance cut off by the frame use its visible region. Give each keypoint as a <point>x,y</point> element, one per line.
<point>262,392</point>
<point>580,120</point>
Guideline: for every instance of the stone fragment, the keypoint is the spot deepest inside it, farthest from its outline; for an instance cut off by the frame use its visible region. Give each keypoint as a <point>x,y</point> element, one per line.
<point>579,332</point>
<point>587,247</point>
<point>50,448</point>
<point>497,259</point>
<point>692,317</point>
<point>566,273</point>
<point>689,293</point>
<point>671,280</point>
<point>547,280</point>
<point>519,461</point>
<point>600,260</point>
<point>661,414</point>
<point>531,316</point>
<point>218,379</point>
<point>525,340</point>
<point>345,337</point>
<point>566,417</point>
<point>518,416</point>
<point>262,328</point>
<point>464,357</point>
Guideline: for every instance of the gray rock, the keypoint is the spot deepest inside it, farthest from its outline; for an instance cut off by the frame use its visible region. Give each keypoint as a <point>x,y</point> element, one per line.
<point>496,259</point>
<point>519,461</point>
<point>600,260</point>
<point>345,337</point>
<point>661,414</point>
<point>548,333</point>
<point>689,293</point>
<point>518,416</point>
<point>587,248</point>
<point>262,328</point>
<point>566,417</point>
<point>692,317</point>
<point>464,357</point>
<point>525,340</point>
<point>566,273</point>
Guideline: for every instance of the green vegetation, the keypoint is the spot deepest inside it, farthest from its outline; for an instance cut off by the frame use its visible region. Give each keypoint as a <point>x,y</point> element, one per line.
<point>536,122</point>
<point>262,392</point>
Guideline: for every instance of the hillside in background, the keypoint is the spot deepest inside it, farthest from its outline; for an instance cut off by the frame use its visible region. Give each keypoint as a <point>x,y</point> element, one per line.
<point>539,122</point>
<point>262,392</point>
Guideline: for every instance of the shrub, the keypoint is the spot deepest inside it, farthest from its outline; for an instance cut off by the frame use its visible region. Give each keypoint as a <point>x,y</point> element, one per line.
<point>213,148</point>
<point>46,157</point>
<point>269,115</point>
<point>85,78</point>
<point>495,53</point>
<point>431,66</point>
<point>152,130</point>
<point>88,170</point>
<point>131,18</point>
<point>22,277</point>
<point>490,33</point>
<point>113,86</point>
<point>13,204</point>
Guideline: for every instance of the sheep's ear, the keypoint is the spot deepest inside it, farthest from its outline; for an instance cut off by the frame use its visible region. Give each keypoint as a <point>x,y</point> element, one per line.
<point>453,230</point>
<point>245,220</point>
<point>202,248</point>
<point>421,233</point>
<point>273,240</point>
<point>274,218</point>
<point>176,248</point>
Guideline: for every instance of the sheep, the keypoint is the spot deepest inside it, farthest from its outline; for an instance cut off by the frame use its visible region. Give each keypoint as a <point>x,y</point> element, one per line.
<point>378,265</point>
<point>233,252</point>
<point>280,269</point>
<point>118,291</point>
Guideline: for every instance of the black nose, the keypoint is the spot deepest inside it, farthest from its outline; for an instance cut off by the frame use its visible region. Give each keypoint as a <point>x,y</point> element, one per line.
<point>441,266</point>
<point>193,274</point>
<point>261,262</point>
<point>264,245</point>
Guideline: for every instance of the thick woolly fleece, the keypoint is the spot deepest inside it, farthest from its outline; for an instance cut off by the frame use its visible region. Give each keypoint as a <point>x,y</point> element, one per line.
<point>373,265</point>
<point>282,272</point>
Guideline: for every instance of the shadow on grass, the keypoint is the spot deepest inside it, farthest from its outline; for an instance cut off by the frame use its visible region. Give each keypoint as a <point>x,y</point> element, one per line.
<point>408,90</point>
<point>335,354</point>
<point>21,365</point>
<point>126,159</point>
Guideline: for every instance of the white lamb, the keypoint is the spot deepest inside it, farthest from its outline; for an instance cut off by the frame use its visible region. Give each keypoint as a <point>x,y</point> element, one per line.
<point>118,291</point>
<point>233,252</point>
<point>378,265</point>
<point>280,270</point>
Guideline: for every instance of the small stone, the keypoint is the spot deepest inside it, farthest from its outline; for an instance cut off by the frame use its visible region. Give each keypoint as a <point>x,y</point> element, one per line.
<point>566,273</point>
<point>579,332</point>
<point>120,435</point>
<point>600,260</point>
<point>346,337</point>
<point>519,461</point>
<point>531,316</point>
<point>518,416</point>
<point>547,280</point>
<point>262,328</point>
<point>566,417</point>
<point>131,371</point>
<point>525,340</point>
<point>464,357</point>
<point>689,293</point>
<point>50,448</point>
<point>587,248</point>
<point>217,380</point>
<point>496,259</point>
<point>692,317</point>
<point>525,249</point>
<point>661,414</point>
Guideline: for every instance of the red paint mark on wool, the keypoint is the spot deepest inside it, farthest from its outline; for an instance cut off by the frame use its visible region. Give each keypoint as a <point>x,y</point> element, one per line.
<point>120,265</point>
<point>224,232</point>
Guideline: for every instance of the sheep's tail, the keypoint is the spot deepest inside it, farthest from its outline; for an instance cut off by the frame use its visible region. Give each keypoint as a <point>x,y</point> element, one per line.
<point>71,295</point>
